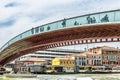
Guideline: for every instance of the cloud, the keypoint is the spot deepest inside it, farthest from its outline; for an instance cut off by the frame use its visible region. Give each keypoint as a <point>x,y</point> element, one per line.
<point>12,4</point>
<point>7,23</point>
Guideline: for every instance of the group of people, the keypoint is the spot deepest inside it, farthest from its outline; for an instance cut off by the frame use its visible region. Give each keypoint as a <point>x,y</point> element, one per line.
<point>64,23</point>
<point>89,19</point>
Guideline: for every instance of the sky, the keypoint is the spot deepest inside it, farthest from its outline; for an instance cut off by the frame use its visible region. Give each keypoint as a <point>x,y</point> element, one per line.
<point>17,16</point>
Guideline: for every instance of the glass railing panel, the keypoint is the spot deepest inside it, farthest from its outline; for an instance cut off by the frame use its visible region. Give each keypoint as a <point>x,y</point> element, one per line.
<point>81,20</point>
<point>117,16</point>
<point>52,26</point>
<point>18,38</point>
<point>26,34</point>
<point>92,19</point>
<point>70,22</point>
<point>12,41</point>
<point>107,17</point>
<point>76,22</point>
<point>36,30</point>
<point>60,24</point>
<point>9,42</point>
<point>32,30</point>
<point>44,28</point>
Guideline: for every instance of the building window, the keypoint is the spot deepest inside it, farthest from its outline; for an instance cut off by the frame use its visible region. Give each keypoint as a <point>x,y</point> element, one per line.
<point>102,57</point>
<point>83,58</point>
<point>87,56</point>
<point>83,63</point>
<point>118,57</point>
<point>103,62</point>
<point>79,57</point>
<point>117,62</point>
<point>87,61</point>
<point>79,63</point>
<point>111,58</point>
<point>107,57</point>
<point>73,62</point>
<point>75,58</point>
<point>60,62</point>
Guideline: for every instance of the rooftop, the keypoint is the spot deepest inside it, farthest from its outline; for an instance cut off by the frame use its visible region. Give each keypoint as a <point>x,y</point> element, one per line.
<point>33,59</point>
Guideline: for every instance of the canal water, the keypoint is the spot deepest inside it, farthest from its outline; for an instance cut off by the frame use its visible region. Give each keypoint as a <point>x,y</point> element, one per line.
<point>68,77</point>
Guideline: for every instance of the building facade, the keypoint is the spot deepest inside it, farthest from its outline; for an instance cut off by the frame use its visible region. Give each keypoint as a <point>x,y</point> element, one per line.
<point>67,63</point>
<point>88,59</point>
<point>23,66</point>
<point>111,57</point>
<point>100,56</point>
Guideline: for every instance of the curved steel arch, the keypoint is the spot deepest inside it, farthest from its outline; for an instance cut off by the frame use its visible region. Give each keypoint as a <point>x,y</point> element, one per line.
<point>91,28</point>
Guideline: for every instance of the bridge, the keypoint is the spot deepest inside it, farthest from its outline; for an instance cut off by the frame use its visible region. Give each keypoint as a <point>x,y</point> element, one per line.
<point>85,29</point>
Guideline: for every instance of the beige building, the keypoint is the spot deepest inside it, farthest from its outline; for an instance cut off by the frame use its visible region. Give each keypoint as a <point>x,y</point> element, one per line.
<point>99,56</point>
<point>23,65</point>
<point>110,55</point>
<point>88,59</point>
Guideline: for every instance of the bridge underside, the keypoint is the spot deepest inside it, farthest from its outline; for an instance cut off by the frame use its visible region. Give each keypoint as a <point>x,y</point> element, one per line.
<point>62,37</point>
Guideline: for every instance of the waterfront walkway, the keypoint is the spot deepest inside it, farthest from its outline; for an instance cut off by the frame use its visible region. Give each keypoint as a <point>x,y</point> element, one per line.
<point>68,77</point>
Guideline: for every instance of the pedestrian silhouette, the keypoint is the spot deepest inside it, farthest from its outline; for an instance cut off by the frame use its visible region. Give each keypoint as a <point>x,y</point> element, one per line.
<point>94,20</point>
<point>64,22</point>
<point>88,20</point>
<point>76,23</point>
<point>105,18</point>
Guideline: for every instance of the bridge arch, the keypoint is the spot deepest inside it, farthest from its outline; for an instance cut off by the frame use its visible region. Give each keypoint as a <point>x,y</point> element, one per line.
<point>85,29</point>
